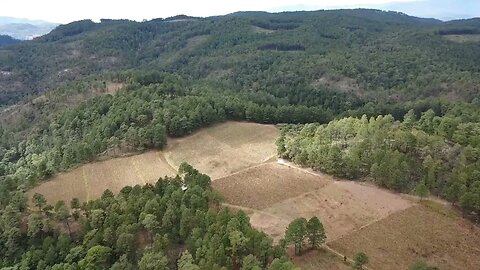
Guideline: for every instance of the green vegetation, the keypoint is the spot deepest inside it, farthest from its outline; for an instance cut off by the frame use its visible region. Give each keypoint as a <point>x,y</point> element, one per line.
<point>300,230</point>
<point>7,40</point>
<point>145,227</point>
<point>360,260</point>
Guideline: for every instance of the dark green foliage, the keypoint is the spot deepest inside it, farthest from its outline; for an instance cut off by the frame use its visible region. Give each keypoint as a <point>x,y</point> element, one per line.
<point>7,40</point>
<point>315,232</point>
<point>359,260</point>
<point>391,55</point>
<point>300,230</point>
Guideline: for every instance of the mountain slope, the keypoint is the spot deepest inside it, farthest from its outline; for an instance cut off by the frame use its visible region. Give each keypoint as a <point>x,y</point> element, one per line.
<point>392,55</point>
<point>7,40</point>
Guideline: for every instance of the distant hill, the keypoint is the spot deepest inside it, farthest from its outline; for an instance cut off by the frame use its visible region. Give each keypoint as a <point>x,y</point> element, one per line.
<point>365,53</point>
<point>24,29</point>
<point>7,40</point>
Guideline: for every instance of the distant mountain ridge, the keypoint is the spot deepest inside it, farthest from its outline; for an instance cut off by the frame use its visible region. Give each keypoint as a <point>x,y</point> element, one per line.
<point>8,40</point>
<point>24,29</point>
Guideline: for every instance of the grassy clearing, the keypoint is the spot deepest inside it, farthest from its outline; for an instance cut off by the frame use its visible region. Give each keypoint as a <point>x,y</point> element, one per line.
<point>261,30</point>
<point>446,241</point>
<point>463,38</point>
<point>90,180</point>
<point>224,149</point>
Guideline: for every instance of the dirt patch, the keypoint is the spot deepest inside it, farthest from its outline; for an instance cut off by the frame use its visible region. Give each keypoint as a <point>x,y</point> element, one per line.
<point>257,29</point>
<point>343,84</point>
<point>113,87</point>
<point>225,148</point>
<point>63,186</point>
<point>196,41</point>
<point>444,240</point>
<point>265,185</point>
<point>340,210</point>
<point>463,38</point>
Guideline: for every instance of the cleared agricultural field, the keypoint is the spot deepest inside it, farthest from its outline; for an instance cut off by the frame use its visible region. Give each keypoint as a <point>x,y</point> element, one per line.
<point>438,236</point>
<point>224,149</point>
<point>276,194</point>
<point>90,180</point>
<point>264,185</point>
<point>218,151</point>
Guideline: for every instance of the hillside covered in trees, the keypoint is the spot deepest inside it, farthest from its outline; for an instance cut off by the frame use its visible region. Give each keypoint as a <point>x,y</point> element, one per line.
<point>375,55</point>
<point>7,40</point>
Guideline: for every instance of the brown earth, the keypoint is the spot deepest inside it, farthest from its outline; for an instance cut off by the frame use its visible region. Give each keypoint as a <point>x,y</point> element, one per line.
<point>276,194</point>
<point>264,185</point>
<point>434,234</point>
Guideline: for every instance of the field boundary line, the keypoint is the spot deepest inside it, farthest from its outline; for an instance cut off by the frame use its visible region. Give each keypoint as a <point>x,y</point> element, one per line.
<point>289,164</point>
<point>370,223</point>
<point>85,180</point>
<point>168,161</point>
<point>244,169</point>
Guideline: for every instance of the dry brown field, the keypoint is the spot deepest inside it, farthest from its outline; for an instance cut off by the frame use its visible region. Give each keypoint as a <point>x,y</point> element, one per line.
<point>219,150</point>
<point>224,149</point>
<point>443,239</point>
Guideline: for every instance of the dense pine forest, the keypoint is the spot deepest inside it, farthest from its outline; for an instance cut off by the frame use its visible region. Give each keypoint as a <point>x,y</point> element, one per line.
<point>360,94</point>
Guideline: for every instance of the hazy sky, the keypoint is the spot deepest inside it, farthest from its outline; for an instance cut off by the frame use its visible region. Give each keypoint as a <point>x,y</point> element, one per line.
<point>63,11</point>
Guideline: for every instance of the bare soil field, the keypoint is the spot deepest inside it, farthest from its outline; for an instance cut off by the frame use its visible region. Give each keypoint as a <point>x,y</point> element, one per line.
<point>441,238</point>
<point>276,194</point>
<point>90,180</point>
<point>224,149</point>
<point>341,210</point>
<point>262,186</point>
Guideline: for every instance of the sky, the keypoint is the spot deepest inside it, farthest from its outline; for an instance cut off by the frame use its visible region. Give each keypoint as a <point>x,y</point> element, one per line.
<point>64,11</point>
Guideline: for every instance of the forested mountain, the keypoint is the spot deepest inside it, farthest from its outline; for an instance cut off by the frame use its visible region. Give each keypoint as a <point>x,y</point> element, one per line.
<point>385,97</point>
<point>7,40</point>
<point>374,54</point>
